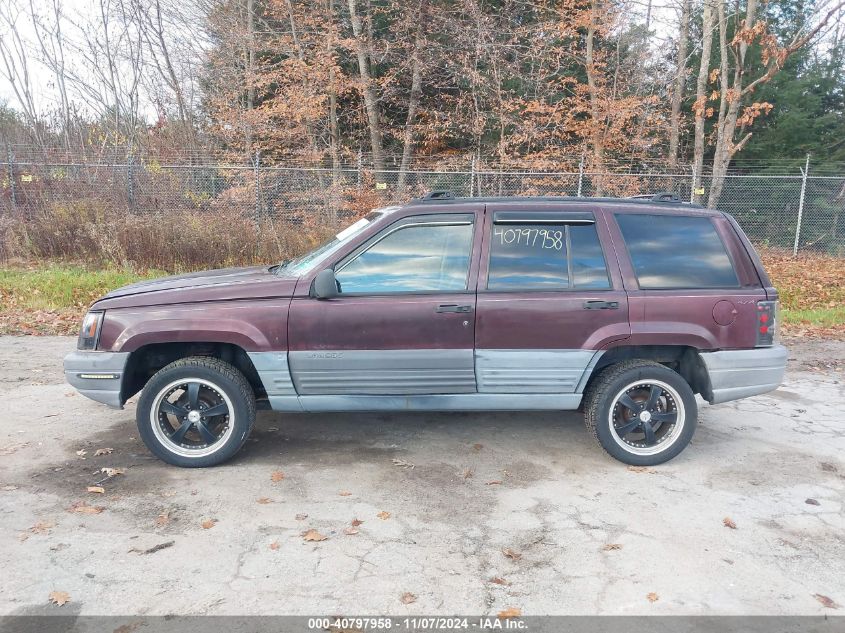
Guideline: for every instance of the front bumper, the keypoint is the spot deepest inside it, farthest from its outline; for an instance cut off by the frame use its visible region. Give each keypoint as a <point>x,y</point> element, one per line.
<point>743,373</point>
<point>97,375</point>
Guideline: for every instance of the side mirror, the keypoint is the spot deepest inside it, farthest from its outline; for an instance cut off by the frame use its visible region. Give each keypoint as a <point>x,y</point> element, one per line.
<point>325,284</point>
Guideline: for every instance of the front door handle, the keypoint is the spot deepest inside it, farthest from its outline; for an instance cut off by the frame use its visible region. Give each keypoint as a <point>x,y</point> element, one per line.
<point>453,307</point>
<point>594,304</point>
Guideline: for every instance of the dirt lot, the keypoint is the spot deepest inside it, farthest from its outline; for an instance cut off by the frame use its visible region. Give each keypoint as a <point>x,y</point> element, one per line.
<point>486,511</point>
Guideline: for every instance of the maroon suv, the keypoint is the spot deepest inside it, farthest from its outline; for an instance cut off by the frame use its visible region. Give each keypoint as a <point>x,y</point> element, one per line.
<point>623,308</point>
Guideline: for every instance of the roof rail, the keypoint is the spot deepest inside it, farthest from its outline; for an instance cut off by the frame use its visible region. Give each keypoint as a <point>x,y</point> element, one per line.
<point>439,194</point>
<point>660,196</point>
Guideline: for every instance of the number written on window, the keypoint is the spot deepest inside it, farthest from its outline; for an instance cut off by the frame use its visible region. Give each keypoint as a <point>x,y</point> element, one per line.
<point>531,237</point>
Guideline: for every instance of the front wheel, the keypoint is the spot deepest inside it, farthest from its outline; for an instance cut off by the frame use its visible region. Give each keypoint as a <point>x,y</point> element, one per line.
<point>196,412</point>
<point>641,412</point>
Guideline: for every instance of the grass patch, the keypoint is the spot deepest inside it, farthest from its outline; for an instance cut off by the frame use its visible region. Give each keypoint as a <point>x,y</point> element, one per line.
<point>818,317</point>
<point>57,287</point>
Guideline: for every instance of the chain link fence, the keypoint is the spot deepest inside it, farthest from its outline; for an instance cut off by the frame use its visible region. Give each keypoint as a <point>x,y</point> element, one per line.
<point>800,211</point>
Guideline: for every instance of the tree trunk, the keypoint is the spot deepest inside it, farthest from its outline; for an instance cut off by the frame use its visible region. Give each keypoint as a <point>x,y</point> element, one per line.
<point>680,85</point>
<point>729,106</point>
<point>700,106</point>
<point>597,134</point>
<point>370,102</point>
<point>333,131</point>
<point>250,69</point>
<point>413,102</point>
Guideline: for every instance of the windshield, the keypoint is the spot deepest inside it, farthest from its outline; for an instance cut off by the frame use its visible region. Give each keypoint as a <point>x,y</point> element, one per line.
<point>306,262</point>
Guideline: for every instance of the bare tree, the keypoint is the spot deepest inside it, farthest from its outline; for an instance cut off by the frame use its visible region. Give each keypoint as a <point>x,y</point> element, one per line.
<point>363,49</point>
<point>700,106</point>
<point>734,92</point>
<point>15,57</point>
<point>679,84</point>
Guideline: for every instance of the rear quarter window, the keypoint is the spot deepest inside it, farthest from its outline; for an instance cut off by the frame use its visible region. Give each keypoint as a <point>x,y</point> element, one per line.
<point>676,252</point>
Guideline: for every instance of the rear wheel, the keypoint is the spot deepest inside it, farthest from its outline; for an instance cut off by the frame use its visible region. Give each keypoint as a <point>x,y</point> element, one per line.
<point>641,412</point>
<point>196,412</point>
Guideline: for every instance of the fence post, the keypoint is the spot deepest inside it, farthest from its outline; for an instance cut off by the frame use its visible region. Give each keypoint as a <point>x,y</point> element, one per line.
<point>692,186</point>
<point>130,184</point>
<point>11,158</point>
<point>360,162</point>
<point>580,174</point>
<point>472,177</point>
<point>256,164</point>
<point>804,173</point>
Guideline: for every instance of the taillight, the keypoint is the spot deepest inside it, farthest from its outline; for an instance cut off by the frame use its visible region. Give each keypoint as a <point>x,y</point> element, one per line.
<point>767,317</point>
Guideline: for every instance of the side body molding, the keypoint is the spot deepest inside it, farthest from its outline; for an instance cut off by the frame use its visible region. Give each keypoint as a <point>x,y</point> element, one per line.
<point>439,379</point>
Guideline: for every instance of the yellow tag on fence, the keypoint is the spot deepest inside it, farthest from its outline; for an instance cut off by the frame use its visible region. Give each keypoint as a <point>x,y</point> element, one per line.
<point>26,177</point>
<point>699,191</point>
<point>381,185</point>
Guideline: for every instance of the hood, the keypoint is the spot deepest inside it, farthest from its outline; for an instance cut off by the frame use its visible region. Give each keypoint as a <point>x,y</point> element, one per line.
<point>254,282</point>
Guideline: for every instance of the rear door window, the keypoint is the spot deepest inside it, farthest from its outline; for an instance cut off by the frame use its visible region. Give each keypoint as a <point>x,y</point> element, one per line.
<point>675,252</point>
<point>545,256</point>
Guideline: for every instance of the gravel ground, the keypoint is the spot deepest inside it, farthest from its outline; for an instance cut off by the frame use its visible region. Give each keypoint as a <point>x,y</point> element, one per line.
<point>470,513</point>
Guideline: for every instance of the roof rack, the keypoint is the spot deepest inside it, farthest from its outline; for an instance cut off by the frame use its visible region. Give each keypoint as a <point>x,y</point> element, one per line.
<point>661,197</point>
<point>439,194</point>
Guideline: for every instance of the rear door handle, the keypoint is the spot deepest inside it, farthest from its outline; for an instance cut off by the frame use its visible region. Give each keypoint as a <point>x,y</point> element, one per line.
<point>453,307</point>
<point>593,304</point>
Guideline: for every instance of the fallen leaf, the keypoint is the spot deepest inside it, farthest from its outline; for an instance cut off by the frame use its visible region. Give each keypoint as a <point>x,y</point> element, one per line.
<point>301,517</point>
<point>653,597</point>
<point>277,475</point>
<point>356,522</point>
<point>208,524</point>
<point>113,472</point>
<point>350,531</point>
<point>274,545</point>
<point>729,523</point>
<point>384,516</point>
<point>466,473</point>
<point>826,602</point>
<point>264,500</point>
<point>23,536</point>
<point>812,502</point>
<point>401,463</point>
<point>42,527</point>
<point>9,488</point>
<point>82,452</point>
<point>511,554</point>
<point>495,482</point>
<point>496,580</point>
<point>506,473</point>
<point>83,508</point>
<point>60,598</point>
<point>313,535</point>
<point>612,546</point>
<point>642,469</point>
<point>154,548</point>
<point>103,451</point>
<point>407,598</point>
<point>477,447</point>
<point>510,612</point>
<point>162,519</point>
<point>344,493</point>
<point>96,489</point>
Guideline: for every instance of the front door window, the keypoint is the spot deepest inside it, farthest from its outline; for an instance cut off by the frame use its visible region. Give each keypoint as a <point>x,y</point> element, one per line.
<point>420,255</point>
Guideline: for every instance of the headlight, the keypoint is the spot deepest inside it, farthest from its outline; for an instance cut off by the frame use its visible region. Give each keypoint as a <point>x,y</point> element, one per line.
<point>90,331</point>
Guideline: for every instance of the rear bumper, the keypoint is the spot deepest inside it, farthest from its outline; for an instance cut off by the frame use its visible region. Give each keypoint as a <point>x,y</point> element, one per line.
<point>97,375</point>
<point>742,373</point>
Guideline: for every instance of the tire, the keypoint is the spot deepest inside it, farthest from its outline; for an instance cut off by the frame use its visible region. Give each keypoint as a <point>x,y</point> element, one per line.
<point>620,407</point>
<point>171,407</point>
